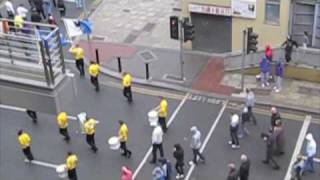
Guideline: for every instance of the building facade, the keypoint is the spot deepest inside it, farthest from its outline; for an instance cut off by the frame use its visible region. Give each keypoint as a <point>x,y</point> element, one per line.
<point>219,23</point>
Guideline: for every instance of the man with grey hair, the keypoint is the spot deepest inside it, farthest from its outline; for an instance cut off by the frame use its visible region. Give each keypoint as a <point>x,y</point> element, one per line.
<point>196,145</point>
<point>244,167</point>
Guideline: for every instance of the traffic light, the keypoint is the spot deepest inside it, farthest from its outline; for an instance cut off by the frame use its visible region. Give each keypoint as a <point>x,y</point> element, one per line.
<point>174,27</point>
<point>188,31</point>
<point>252,41</point>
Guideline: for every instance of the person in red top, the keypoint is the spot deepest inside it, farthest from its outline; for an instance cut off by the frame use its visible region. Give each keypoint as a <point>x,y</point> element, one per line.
<point>268,52</point>
<point>126,173</point>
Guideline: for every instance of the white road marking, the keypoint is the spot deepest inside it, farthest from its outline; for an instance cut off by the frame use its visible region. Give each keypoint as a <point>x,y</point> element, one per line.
<point>145,158</point>
<point>299,144</point>
<point>205,142</point>
<point>44,164</point>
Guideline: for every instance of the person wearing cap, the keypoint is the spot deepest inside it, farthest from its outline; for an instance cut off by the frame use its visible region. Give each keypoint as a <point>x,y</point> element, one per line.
<point>311,150</point>
<point>71,163</point>
<point>163,113</point>
<point>244,169</point>
<point>126,173</point>
<point>275,115</point>
<point>250,100</point>
<point>123,138</point>
<point>233,173</point>
<point>24,140</point>
<point>89,129</point>
<point>78,54</point>
<point>94,69</point>
<point>157,138</point>
<point>62,121</point>
<point>196,145</point>
<point>242,125</point>
<point>234,127</point>
<point>126,83</point>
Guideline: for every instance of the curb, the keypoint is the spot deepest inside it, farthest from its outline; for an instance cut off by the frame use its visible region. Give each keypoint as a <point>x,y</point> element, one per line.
<point>238,98</point>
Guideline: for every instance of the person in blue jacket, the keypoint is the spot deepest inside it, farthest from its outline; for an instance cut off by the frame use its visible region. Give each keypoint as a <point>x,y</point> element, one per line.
<point>265,71</point>
<point>158,174</point>
<point>279,75</point>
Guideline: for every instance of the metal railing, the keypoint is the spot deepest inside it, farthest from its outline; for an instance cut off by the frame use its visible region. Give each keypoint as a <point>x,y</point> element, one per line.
<point>32,54</point>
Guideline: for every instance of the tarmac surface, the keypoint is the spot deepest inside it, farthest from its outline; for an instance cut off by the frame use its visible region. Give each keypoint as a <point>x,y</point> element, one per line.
<point>108,106</point>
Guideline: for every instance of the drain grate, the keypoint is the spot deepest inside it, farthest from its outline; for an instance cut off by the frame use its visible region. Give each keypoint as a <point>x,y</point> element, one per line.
<point>147,56</point>
<point>149,27</point>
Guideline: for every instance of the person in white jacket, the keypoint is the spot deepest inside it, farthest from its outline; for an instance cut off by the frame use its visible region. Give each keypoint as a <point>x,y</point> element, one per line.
<point>196,145</point>
<point>311,150</point>
<point>157,137</point>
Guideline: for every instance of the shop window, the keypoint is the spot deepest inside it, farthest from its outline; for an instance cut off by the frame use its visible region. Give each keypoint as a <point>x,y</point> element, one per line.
<point>272,12</point>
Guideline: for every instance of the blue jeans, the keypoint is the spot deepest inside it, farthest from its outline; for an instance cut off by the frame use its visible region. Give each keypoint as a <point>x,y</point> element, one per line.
<point>308,166</point>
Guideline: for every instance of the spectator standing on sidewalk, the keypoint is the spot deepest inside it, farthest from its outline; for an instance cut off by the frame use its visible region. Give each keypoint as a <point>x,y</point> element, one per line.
<point>289,43</point>
<point>305,40</point>
<point>79,3</point>
<point>275,115</point>
<point>94,70</point>
<point>89,129</point>
<point>22,11</point>
<point>279,75</point>
<point>10,8</point>
<point>234,127</point>
<point>178,154</point>
<point>244,170</point>
<point>24,140</point>
<point>163,113</point>
<point>157,138</point>
<point>126,83</point>
<point>35,17</point>
<point>196,145</point>
<point>78,54</point>
<point>39,7</point>
<point>71,163</point>
<point>265,72</point>
<point>123,138</point>
<point>33,115</point>
<point>268,52</point>
<point>233,173</point>
<point>242,125</point>
<point>126,173</point>
<point>311,150</point>
<point>61,8</point>
<point>250,100</point>
<point>62,121</point>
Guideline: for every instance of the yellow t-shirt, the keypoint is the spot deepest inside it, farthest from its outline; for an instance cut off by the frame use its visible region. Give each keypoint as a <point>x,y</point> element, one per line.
<point>77,52</point>
<point>94,70</point>
<point>24,140</point>
<point>123,133</point>
<point>163,110</point>
<point>18,21</point>
<point>71,162</point>
<point>126,81</point>
<point>62,120</point>
<point>89,126</point>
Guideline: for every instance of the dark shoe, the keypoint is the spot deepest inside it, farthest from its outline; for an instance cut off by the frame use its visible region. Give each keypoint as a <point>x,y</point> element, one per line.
<point>265,162</point>
<point>152,162</point>
<point>129,155</point>
<point>276,167</point>
<point>123,154</point>
<point>35,121</point>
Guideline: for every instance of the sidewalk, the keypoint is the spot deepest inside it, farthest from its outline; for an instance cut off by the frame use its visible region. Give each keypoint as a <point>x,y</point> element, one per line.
<point>204,75</point>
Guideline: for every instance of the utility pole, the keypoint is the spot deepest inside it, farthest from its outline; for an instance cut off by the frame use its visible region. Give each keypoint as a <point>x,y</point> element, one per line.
<point>84,8</point>
<point>243,57</point>
<point>181,50</point>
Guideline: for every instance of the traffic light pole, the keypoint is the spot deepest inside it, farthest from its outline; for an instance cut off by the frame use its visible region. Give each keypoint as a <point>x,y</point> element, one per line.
<point>243,58</point>
<point>181,50</point>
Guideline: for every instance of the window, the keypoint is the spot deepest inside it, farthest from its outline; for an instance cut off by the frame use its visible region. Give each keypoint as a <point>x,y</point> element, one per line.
<point>272,12</point>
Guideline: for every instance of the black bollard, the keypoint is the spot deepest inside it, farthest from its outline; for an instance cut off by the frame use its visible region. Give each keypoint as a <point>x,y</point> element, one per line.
<point>119,64</point>
<point>147,71</point>
<point>97,57</point>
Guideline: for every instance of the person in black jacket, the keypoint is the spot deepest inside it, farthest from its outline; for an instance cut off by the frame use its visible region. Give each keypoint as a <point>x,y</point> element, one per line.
<point>233,173</point>
<point>244,167</point>
<point>178,154</point>
<point>35,17</point>
<point>289,43</point>
<point>275,115</point>
<point>39,7</point>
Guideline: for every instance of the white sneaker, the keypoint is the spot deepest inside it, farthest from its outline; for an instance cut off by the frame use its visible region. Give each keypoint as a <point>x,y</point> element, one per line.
<point>191,163</point>
<point>263,85</point>
<point>277,90</point>
<point>274,88</point>
<point>235,146</point>
<point>181,176</point>
<point>230,142</point>
<point>267,84</point>
<point>27,160</point>
<point>178,176</point>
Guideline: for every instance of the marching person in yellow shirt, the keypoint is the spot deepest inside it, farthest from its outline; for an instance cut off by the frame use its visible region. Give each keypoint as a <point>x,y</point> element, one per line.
<point>94,70</point>
<point>78,54</point>
<point>24,140</point>
<point>89,129</point>
<point>126,83</point>
<point>62,121</point>
<point>123,138</point>
<point>162,113</point>
<point>71,163</point>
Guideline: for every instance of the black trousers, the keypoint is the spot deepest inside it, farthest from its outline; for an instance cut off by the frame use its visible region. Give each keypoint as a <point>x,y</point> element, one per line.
<point>154,151</point>
<point>54,3</point>
<point>179,167</point>
<point>269,157</point>
<point>41,11</point>
<point>127,93</point>
<point>288,56</point>
<point>80,66</point>
<point>95,82</point>
<point>72,174</point>
<point>196,153</point>
<point>64,132</point>
<point>27,152</point>
<point>234,135</point>
<point>32,115</point>
<point>163,124</point>
<point>123,146</point>
<point>251,115</point>
<point>91,142</point>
